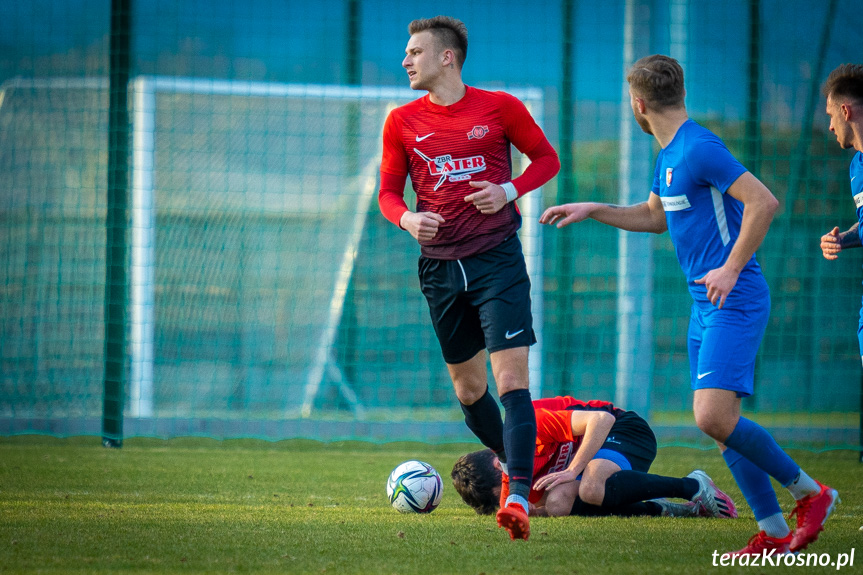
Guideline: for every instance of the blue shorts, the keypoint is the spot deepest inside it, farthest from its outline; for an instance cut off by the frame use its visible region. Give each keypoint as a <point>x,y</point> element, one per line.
<point>723,344</point>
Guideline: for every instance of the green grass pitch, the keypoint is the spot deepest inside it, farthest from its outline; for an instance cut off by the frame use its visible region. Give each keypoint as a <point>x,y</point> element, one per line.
<point>247,506</point>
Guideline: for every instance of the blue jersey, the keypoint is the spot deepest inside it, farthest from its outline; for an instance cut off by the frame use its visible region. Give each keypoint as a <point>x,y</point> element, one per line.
<point>856,174</point>
<point>692,175</point>
<point>857,188</point>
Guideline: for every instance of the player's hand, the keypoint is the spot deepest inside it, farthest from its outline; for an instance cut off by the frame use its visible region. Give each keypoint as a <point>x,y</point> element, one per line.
<point>830,246</point>
<point>566,214</point>
<point>719,283</point>
<point>490,198</point>
<point>423,226</point>
<point>552,480</point>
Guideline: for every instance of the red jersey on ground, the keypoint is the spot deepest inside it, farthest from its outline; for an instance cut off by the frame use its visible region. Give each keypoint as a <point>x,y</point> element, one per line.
<point>443,148</point>
<point>555,444</point>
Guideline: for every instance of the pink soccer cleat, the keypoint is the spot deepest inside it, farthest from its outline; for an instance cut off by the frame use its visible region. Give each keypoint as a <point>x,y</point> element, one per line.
<point>711,500</point>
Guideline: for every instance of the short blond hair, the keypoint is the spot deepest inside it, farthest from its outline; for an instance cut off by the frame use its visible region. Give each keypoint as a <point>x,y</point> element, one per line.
<point>448,32</point>
<point>659,80</point>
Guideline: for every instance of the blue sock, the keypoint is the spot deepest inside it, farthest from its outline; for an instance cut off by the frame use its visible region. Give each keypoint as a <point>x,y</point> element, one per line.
<point>483,418</point>
<point>755,444</point>
<point>754,483</point>
<point>519,438</point>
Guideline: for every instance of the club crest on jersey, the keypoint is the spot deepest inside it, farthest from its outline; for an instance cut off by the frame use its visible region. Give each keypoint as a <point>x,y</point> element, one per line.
<point>668,176</point>
<point>456,169</point>
<point>477,132</point>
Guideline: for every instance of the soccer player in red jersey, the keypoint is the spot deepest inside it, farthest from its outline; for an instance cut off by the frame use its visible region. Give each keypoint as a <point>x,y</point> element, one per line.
<point>454,143</point>
<point>591,458</point>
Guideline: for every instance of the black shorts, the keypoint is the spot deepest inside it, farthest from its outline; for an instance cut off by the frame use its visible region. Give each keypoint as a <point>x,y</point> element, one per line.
<point>479,302</point>
<point>631,437</point>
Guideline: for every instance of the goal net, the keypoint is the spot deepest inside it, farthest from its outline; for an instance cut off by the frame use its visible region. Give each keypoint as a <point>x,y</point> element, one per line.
<point>266,291</point>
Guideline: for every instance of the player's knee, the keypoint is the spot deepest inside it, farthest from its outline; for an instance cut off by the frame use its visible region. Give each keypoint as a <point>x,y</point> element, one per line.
<point>558,508</point>
<point>592,492</point>
<point>713,425</point>
<point>469,388</point>
<point>510,381</point>
<point>468,395</point>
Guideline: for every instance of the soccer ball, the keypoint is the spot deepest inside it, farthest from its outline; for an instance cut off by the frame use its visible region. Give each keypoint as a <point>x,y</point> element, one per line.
<point>415,487</point>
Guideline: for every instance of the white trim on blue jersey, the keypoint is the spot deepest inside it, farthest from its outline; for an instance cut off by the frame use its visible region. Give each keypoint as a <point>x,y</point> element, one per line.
<point>719,210</point>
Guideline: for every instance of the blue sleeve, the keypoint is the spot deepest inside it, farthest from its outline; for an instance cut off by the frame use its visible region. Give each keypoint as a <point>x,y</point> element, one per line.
<point>711,163</point>
<point>655,188</point>
<point>856,175</point>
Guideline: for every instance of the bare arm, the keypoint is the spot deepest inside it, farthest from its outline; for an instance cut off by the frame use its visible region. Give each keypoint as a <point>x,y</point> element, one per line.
<point>593,426</point>
<point>759,206</point>
<point>834,242</point>
<point>647,216</point>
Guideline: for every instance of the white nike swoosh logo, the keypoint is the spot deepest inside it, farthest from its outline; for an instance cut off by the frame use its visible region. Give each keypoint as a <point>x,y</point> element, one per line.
<point>424,137</point>
<point>701,375</point>
<point>512,335</point>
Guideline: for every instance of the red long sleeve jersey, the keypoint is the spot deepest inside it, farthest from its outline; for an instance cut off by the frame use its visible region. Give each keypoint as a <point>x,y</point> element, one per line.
<point>443,148</point>
<point>555,444</point>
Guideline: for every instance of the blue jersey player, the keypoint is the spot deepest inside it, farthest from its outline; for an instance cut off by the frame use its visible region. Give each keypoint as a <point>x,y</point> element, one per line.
<point>844,92</point>
<point>717,214</point>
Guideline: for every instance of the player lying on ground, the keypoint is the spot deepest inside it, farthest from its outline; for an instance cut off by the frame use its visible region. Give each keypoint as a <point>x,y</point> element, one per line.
<point>591,458</point>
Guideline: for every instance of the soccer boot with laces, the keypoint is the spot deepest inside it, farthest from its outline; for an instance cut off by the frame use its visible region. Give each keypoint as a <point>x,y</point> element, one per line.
<point>812,512</point>
<point>763,544</point>
<point>712,502</point>
<point>514,519</point>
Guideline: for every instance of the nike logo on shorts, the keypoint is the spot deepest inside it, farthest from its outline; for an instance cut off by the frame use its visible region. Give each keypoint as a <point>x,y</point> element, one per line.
<point>702,375</point>
<point>512,335</point>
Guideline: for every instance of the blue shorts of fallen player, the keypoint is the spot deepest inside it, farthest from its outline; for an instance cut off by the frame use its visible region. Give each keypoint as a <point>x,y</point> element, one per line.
<point>723,344</point>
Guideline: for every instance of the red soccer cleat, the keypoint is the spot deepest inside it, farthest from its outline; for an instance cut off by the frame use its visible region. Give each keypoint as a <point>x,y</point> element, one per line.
<point>812,511</point>
<point>514,519</point>
<point>761,543</point>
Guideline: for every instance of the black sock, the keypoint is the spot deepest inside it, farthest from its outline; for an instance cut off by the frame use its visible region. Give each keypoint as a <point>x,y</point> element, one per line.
<point>625,487</point>
<point>519,439</point>
<point>483,418</point>
<point>632,510</point>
